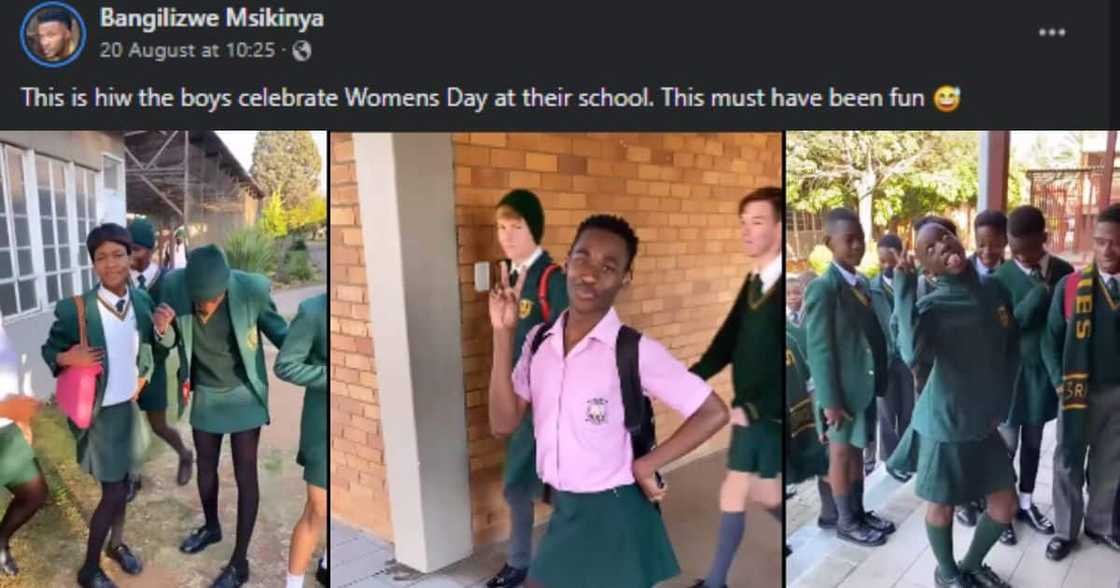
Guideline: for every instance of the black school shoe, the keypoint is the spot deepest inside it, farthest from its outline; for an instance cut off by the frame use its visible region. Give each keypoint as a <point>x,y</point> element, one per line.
<point>1008,537</point>
<point>509,577</point>
<point>124,557</point>
<point>968,514</point>
<point>321,575</point>
<point>1111,541</point>
<point>985,577</point>
<point>1057,549</point>
<point>877,523</point>
<point>232,577</point>
<point>861,534</point>
<point>199,539</point>
<point>961,581</point>
<point>97,579</point>
<point>701,584</point>
<point>8,565</point>
<point>1038,521</point>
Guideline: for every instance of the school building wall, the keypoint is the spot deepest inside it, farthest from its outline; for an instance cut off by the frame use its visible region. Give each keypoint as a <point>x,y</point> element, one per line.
<point>679,191</point>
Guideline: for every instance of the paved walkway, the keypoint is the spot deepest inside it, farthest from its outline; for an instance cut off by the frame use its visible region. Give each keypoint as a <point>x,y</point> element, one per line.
<point>691,514</point>
<point>820,560</point>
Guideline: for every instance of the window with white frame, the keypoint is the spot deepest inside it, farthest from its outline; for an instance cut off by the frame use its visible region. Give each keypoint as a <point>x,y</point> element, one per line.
<point>58,260</point>
<point>17,274</point>
<point>86,203</point>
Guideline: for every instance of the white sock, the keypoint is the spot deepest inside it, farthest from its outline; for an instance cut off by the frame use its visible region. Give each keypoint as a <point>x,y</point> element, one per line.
<point>323,560</point>
<point>1025,500</point>
<point>295,581</point>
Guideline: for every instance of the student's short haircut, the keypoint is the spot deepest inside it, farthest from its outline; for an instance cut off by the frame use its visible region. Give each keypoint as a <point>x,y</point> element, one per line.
<point>771,194</point>
<point>992,218</point>
<point>1110,215</point>
<point>891,241</point>
<point>1026,220</point>
<point>839,215</point>
<point>940,220</point>
<point>612,224</point>
<point>56,15</point>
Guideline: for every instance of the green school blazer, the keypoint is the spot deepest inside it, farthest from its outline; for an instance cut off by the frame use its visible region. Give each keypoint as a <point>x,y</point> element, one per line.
<point>252,312</point>
<point>157,384</point>
<point>303,361</point>
<point>882,302</point>
<point>840,356</point>
<point>64,334</point>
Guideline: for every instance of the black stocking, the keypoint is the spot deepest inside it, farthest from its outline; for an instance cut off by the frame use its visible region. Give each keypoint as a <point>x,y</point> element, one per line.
<point>27,499</point>
<point>248,490</point>
<point>113,495</point>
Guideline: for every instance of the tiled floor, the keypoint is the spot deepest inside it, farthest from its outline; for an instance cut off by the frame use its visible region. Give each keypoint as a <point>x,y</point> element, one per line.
<point>691,514</point>
<point>821,561</point>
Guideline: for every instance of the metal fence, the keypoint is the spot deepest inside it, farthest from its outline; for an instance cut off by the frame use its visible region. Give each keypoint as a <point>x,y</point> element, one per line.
<point>1068,199</point>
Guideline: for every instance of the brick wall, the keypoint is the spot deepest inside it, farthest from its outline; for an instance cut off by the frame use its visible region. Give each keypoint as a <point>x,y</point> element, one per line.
<point>358,492</point>
<point>679,191</point>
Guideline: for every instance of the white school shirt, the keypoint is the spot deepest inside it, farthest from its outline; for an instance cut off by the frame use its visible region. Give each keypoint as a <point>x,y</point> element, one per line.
<point>770,274</point>
<point>149,275</point>
<point>122,346</point>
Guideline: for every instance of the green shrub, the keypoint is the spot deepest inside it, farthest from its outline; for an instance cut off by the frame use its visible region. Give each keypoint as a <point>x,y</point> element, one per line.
<point>249,249</point>
<point>297,267</point>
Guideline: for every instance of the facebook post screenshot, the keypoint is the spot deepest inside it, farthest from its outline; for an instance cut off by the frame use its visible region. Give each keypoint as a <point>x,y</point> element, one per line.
<point>289,292</point>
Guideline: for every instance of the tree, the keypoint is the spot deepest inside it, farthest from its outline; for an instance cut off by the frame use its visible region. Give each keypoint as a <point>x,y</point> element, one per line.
<point>309,215</point>
<point>274,219</point>
<point>287,161</point>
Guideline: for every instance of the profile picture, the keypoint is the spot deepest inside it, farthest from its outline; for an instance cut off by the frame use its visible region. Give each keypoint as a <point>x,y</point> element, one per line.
<point>53,34</point>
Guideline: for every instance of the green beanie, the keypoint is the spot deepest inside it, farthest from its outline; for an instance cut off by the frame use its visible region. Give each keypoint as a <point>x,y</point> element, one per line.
<point>526,204</point>
<point>207,273</point>
<point>143,233</point>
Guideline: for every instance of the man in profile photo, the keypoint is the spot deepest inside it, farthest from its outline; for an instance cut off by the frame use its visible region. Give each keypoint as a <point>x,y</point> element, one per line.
<point>54,37</point>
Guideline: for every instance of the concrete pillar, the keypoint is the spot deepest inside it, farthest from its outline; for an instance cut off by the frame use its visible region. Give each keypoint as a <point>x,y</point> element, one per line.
<point>407,203</point>
<point>995,164</point>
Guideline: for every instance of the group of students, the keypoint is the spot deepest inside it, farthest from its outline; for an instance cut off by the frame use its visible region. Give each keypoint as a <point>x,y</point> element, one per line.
<point>993,349</point>
<point>571,386</point>
<point>193,335</point>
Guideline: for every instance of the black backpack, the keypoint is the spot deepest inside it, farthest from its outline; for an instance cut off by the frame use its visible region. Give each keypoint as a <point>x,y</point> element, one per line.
<point>638,408</point>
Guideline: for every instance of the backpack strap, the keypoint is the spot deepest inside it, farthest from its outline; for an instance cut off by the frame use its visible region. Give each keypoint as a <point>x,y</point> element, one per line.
<point>1070,294</point>
<point>637,406</point>
<point>542,291</point>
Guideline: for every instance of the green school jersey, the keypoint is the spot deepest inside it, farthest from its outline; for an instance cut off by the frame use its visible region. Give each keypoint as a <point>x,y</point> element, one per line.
<point>964,335</point>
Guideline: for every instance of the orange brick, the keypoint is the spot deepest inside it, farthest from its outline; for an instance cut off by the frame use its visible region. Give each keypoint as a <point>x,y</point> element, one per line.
<point>519,179</point>
<point>471,155</point>
<point>507,159</point>
<point>543,162</point>
<point>490,139</point>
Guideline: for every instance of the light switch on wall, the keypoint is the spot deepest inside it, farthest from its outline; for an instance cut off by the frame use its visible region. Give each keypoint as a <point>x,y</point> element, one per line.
<point>482,276</point>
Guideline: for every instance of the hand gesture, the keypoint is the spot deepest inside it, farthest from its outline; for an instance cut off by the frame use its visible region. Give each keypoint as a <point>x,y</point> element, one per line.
<point>907,264</point>
<point>739,417</point>
<point>162,318</point>
<point>504,301</point>
<point>836,417</point>
<point>646,477</point>
<point>81,356</point>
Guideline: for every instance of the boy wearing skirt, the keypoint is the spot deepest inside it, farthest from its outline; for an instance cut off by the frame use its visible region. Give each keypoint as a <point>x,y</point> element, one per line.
<point>219,315</point>
<point>847,354</point>
<point>119,331</point>
<point>964,334</point>
<point>605,529</point>
<point>303,362</point>
<point>751,333</point>
<point>145,276</point>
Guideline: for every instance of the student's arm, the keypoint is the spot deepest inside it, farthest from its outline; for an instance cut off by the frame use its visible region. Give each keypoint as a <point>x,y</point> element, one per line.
<point>61,349</point>
<point>271,323</point>
<point>718,354</point>
<point>1053,338</point>
<point>1031,311</point>
<point>293,362</point>
<point>820,348</point>
<point>507,406</point>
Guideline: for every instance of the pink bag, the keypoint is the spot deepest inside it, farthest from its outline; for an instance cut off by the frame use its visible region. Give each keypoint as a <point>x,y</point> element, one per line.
<point>77,385</point>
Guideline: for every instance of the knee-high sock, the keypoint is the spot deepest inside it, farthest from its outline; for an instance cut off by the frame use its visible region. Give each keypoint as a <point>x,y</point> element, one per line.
<point>941,543</point>
<point>731,525</point>
<point>520,501</point>
<point>987,532</point>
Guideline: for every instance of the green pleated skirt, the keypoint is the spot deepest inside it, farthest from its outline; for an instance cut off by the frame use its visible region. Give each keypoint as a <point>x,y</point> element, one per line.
<point>614,538</point>
<point>756,449</point>
<point>954,473</point>
<point>105,448</point>
<point>313,438</point>
<point>221,411</point>
<point>163,388</point>
<point>17,459</point>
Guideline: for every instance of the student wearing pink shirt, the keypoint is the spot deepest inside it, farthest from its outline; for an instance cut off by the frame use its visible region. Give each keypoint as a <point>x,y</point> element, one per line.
<point>605,529</point>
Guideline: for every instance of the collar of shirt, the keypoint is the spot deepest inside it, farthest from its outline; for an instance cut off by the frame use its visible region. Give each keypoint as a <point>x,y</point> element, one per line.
<point>606,331</point>
<point>851,277</point>
<point>149,274</point>
<point>1043,264</point>
<point>770,274</point>
<point>1106,277</point>
<point>889,282</point>
<point>524,266</point>
<point>980,267</point>
<point>109,297</point>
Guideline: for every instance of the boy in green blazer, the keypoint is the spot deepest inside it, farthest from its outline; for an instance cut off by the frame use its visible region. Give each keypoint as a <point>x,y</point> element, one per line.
<point>990,228</point>
<point>1080,347</point>
<point>219,315</point>
<point>847,355</point>
<point>145,276</point>
<point>544,295</point>
<point>303,362</point>
<point>952,443</point>
<point>1030,278</point>
<point>119,328</point>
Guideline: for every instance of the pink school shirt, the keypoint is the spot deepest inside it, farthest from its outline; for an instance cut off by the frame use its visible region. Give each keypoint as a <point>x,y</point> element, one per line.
<point>582,442</point>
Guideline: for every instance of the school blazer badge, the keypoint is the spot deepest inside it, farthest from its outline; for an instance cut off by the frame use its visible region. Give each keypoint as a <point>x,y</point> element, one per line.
<point>597,411</point>
<point>525,309</point>
<point>252,339</point>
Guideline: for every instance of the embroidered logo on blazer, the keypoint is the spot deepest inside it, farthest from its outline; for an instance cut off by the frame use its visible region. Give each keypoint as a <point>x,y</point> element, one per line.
<point>597,411</point>
<point>526,308</point>
<point>252,339</point>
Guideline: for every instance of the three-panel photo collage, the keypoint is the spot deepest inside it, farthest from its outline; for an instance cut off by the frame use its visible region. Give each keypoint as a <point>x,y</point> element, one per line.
<point>560,360</point>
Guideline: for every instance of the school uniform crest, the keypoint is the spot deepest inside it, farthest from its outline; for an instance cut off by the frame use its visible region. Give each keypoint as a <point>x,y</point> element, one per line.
<point>597,411</point>
<point>525,308</point>
<point>252,339</point>
<point>1003,316</point>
